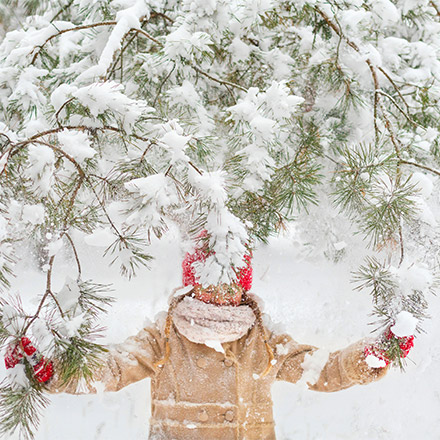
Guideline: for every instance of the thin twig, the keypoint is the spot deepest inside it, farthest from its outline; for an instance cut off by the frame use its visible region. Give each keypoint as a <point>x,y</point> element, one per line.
<point>5,165</point>
<point>437,10</point>
<point>112,68</point>
<point>162,84</point>
<point>61,108</point>
<point>75,253</point>
<point>6,136</point>
<point>76,28</point>
<point>168,170</point>
<point>146,34</point>
<point>402,248</point>
<point>64,154</point>
<point>219,81</point>
<point>161,14</point>
<point>377,89</point>
<point>376,98</point>
<point>418,165</point>
<point>399,108</point>
<point>61,10</point>
<point>91,130</point>
<point>388,77</point>
<point>146,150</point>
<point>190,163</point>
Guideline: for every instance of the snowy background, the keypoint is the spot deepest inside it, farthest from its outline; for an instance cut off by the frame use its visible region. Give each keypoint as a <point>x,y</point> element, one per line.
<point>300,287</point>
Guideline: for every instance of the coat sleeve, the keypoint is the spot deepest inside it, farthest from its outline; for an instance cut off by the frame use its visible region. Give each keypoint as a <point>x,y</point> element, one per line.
<point>343,368</point>
<point>122,365</point>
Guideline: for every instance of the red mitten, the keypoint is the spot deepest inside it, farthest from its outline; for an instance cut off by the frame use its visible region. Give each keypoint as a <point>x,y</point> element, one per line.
<point>13,356</point>
<point>43,369</point>
<point>405,343</point>
<point>376,357</point>
<point>384,348</point>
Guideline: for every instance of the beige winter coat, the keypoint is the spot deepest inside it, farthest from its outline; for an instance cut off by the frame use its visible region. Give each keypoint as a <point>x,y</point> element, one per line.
<point>203,394</point>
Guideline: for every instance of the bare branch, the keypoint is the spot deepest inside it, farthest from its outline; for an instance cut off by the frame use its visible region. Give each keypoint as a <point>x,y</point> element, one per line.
<point>396,88</point>
<point>219,81</point>
<point>437,9</point>
<point>399,108</point>
<point>418,165</point>
<point>75,253</point>
<point>76,28</point>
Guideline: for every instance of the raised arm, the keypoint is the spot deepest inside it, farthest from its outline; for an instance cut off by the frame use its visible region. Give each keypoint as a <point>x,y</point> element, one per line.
<point>340,370</point>
<point>125,363</point>
<point>346,368</point>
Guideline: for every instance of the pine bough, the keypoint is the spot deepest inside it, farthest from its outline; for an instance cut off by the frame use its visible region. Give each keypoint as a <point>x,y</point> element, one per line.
<point>122,118</point>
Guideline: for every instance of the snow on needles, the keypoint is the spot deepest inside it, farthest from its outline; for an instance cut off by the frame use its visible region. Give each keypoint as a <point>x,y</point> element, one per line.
<point>405,324</point>
<point>76,144</point>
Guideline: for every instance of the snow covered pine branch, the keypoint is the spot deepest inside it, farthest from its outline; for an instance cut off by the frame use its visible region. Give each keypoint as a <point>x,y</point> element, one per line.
<point>121,118</point>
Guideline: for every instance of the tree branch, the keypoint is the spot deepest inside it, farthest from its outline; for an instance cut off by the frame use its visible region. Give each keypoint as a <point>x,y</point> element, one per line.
<point>146,34</point>
<point>388,77</point>
<point>76,28</point>
<point>75,253</point>
<point>399,108</point>
<point>437,10</point>
<point>377,89</point>
<point>418,165</point>
<point>219,81</point>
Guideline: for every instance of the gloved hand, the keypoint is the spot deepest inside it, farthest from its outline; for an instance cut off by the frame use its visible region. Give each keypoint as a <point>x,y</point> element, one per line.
<point>43,369</point>
<point>405,343</point>
<point>384,350</point>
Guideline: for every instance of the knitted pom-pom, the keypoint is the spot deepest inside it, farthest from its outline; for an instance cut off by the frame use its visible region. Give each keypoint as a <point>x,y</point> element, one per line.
<point>244,275</point>
<point>188,271</point>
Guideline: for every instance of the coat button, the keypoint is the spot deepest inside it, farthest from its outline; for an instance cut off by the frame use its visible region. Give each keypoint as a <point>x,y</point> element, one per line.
<point>203,416</point>
<point>228,362</point>
<point>202,363</point>
<point>229,416</point>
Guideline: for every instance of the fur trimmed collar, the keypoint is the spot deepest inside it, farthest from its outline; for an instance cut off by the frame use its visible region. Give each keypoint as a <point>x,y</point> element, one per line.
<point>210,324</point>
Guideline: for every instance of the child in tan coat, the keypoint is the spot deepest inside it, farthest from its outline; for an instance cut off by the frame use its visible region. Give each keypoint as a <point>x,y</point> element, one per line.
<point>212,364</point>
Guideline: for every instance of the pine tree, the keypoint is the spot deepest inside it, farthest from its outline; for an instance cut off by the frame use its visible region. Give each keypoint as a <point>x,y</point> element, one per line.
<point>121,118</point>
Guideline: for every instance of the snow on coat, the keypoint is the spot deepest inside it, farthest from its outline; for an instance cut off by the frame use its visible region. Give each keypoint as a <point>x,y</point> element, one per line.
<point>218,393</point>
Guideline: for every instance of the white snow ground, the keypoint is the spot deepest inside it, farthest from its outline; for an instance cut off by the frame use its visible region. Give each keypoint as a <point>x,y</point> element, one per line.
<point>314,299</point>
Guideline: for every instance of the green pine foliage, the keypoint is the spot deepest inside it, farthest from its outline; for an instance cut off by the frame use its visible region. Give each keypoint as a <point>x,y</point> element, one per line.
<point>126,118</point>
<point>20,409</point>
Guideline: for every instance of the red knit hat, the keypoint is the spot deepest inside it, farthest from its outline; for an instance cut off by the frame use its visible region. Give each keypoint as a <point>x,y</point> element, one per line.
<point>221,295</point>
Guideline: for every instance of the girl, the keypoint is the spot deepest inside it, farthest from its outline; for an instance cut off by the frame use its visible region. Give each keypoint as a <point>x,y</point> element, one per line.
<point>212,363</point>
